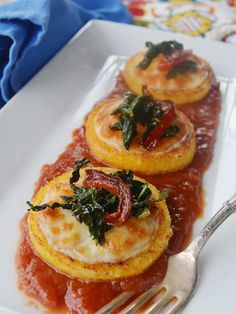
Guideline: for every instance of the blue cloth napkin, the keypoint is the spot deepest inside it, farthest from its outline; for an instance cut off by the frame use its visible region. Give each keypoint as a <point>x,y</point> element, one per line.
<point>32,31</point>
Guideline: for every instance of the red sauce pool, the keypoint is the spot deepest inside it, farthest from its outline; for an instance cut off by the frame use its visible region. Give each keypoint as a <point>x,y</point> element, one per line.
<point>185,203</point>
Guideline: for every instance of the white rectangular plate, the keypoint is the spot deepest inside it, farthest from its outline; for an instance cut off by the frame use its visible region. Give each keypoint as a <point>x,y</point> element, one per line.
<point>36,125</point>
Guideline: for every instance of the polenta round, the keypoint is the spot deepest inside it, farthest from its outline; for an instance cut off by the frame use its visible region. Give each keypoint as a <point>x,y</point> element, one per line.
<point>181,89</point>
<point>65,244</point>
<point>106,144</point>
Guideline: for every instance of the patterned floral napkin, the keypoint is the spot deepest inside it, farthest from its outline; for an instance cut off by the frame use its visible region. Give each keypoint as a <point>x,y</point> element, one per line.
<point>210,19</point>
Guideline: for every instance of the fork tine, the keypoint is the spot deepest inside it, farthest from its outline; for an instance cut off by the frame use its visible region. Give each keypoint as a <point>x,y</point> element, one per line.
<point>115,303</point>
<point>175,307</point>
<point>159,303</point>
<point>142,299</point>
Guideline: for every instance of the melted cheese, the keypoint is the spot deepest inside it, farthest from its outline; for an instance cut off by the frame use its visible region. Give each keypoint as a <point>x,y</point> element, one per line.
<point>183,88</point>
<point>65,244</point>
<point>65,234</point>
<point>171,153</point>
<point>103,120</point>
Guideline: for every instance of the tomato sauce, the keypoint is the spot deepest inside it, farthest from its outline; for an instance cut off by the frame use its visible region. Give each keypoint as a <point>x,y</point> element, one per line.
<point>55,290</point>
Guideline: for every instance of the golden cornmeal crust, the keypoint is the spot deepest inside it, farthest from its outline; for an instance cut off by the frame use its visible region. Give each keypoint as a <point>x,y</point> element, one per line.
<point>184,88</point>
<point>101,271</point>
<point>106,144</point>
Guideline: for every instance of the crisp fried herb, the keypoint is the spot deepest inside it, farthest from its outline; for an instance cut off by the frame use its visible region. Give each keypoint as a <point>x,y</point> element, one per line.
<point>36,208</point>
<point>162,197</point>
<point>141,197</point>
<point>172,130</point>
<point>151,126</point>
<point>89,205</point>
<point>140,192</point>
<point>126,176</point>
<point>126,122</point>
<point>139,109</point>
<point>165,47</point>
<point>186,66</point>
<point>76,172</point>
<point>135,109</point>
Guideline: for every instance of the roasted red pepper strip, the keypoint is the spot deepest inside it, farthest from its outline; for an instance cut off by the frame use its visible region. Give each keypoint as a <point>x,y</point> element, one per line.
<point>168,62</point>
<point>100,180</point>
<point>169,115</point>
<point>164,64</point>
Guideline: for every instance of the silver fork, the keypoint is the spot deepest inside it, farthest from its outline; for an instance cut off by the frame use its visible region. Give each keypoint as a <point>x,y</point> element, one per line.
<point>173,293</point>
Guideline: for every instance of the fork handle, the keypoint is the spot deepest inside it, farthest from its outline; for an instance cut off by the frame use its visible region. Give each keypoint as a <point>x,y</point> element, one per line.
<point>226,210</point>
